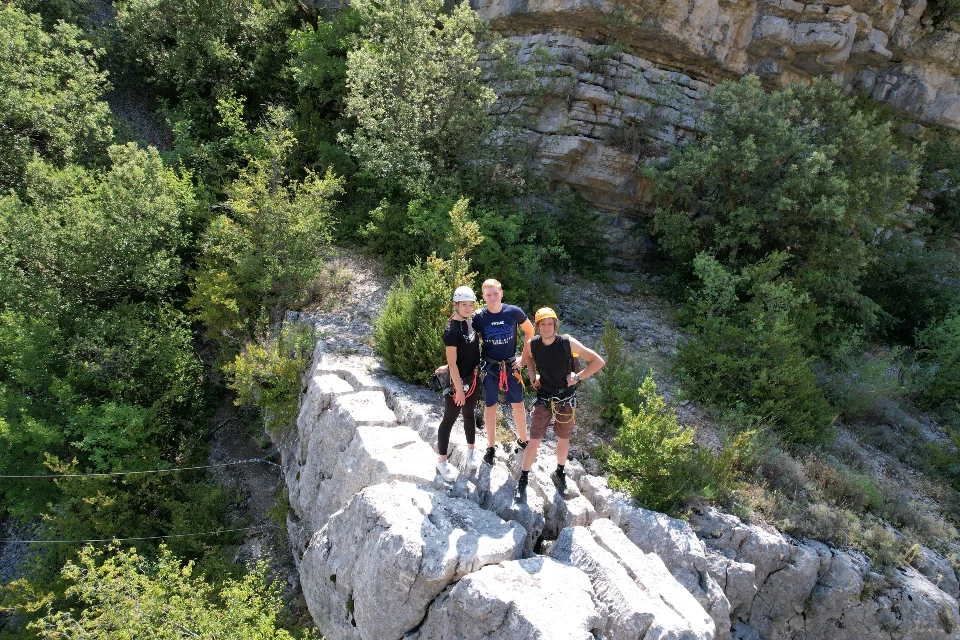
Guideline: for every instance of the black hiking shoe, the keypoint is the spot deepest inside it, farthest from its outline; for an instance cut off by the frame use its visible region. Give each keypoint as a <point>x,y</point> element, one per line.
<point>522,489</point>
<point>559,480</point>
<point>522,444</point>
<point>488,456</point>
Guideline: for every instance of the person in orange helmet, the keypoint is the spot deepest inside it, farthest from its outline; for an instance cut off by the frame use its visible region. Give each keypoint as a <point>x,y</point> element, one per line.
<point>553,369</point>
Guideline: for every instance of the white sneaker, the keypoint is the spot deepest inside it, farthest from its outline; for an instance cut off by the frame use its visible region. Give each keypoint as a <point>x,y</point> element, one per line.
<point>473,460</point>
<point>447,472</point>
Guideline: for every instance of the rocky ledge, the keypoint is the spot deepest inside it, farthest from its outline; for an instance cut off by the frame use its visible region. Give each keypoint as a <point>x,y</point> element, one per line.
<point>386,550</point>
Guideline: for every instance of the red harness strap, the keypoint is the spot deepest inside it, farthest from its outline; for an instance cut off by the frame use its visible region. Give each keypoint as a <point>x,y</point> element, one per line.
<point>473,385</point>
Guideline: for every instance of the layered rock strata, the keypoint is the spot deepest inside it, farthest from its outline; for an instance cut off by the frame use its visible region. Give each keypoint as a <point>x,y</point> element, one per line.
<point>387,550</point>
<point>630,75</point>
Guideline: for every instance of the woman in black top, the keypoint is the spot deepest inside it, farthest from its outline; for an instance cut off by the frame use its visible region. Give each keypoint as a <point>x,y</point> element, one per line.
<point>463,357</point>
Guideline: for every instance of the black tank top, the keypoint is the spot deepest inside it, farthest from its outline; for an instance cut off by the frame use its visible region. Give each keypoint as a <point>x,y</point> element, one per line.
<point>553,365</point>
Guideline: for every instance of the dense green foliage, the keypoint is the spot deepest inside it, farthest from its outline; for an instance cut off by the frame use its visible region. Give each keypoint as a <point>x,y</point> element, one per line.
<point>267,373</point>
<point>938,380</point>
<point>799,171</point>
<point>770,219</point>
<point>408,330</point>
<point>195,52</point>
<point>617,381</point>
<point>96,237</point>
<point>746,350</point>
<point>50,96</point>
<point>654,457</point>
<point>125,595</point>
<point>416,91</point>
<point>258,258</point>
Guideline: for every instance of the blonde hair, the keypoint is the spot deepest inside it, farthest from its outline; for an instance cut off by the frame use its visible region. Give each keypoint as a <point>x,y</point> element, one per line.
<point>491,283</point>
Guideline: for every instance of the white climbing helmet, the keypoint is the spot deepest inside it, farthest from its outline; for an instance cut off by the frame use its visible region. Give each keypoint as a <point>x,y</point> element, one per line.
<point>464,294</point>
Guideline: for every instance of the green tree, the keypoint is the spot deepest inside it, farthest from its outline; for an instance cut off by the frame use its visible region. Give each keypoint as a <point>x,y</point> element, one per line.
<point>416,91</point>
<point>51,93</point>
<point>193,52</point>
<point>938,378</point>
<point>798,170</point>
<point>257,259</point>
<point>96,238</point>
<point>746,351</point>
<point>122,595</point>
<point>267,373</point>
<point>319,66</point>
<point>653,456</point>
<point>408,330</point>
<point>105,391</point>
<point>914,280</point>
<point>617,381</point>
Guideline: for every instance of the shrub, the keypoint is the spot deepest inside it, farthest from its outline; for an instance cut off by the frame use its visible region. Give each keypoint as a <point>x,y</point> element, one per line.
<point>617,381</point>
<point>653,456</point>
<point>799,170</point>
<point>416,91</point>
<point>823,522</point>
<point>941,177</point>
<point>842,486</point>
<point>521,246</point>
<point>260,257</point>
<point>861,382</point>
<point>51,94</point>
<point>408,332</point>
<point>937,378</point>
<point>882,545</point>
<point>268,373</point>
<point>97,237</point>
<point>169,600</point>
<point>914,279</point>
<point>192,51</point>
<point>745,351</point>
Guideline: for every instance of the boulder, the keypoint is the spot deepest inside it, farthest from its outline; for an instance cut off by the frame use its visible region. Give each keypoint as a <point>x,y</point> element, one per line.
<point>375,455</point>
<point>371,572</point>
<point>780,601</point>
<point>937,570</point>
<point>534,599</point>
<point>323,446</point>
<point>639,594</point>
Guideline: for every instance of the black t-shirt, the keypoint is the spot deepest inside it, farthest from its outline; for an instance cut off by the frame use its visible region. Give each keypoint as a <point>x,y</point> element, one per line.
<point>460,334</point>
<point>553,365</point>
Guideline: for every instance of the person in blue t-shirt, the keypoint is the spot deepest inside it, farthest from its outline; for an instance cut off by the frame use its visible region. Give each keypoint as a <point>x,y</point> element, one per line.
<point>497,324</point>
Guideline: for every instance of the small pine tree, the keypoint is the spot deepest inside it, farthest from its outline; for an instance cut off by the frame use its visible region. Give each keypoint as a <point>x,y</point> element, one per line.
<point>652,453</point>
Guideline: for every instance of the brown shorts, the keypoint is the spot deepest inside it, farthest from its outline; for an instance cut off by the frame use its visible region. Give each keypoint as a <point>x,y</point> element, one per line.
<point>562,426</point>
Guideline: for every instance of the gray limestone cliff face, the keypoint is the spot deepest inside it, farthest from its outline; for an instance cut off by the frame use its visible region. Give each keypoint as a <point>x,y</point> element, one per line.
<point>386,550</point>
<point>638,70</point>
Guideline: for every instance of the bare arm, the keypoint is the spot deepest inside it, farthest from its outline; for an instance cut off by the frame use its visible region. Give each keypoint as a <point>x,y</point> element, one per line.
<point>459,395</point>
<point>594,361</point>
<point>528,334</point>
<point>527,359</point>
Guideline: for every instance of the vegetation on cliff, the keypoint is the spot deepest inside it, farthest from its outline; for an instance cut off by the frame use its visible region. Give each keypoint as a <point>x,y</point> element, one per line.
<point>802,230</point>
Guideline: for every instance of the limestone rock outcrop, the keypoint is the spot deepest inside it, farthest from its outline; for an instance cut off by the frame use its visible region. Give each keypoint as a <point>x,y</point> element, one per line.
<point>538,598</point>
<point>633,75</point>
<point>387,550</point>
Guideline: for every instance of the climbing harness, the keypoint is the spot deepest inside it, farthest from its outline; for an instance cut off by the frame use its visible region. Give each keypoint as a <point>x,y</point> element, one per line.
<point>504,365</point>
<point>449,390</point>
<point>556,403</point>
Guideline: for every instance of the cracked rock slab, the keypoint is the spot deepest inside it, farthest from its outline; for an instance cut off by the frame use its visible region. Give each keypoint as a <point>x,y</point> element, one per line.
<point>376,566</point>
<point>535,599</point>
<point>634,609</point>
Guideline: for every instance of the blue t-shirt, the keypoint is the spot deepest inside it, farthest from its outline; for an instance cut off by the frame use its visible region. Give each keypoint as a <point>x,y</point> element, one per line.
<point>499,331</point>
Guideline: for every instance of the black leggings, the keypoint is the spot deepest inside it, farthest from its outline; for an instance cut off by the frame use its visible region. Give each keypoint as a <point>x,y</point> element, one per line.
<point>450,413</point>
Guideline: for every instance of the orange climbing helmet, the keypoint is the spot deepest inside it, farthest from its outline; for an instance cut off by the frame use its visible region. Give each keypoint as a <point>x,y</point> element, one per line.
<point>545,312</point>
